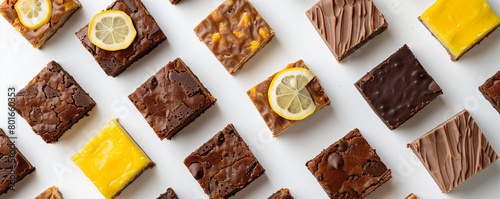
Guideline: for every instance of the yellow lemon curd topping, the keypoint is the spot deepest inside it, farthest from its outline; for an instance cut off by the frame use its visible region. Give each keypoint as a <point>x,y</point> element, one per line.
<point>459,24</point>
<point>111,159</point>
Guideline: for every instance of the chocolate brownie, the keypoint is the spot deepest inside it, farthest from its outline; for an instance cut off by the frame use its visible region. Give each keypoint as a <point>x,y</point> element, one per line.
<point>491,90</point>
<point>149,35</point>
<point>398,88</point>
<point>170,194</point>
<point>224,165</point>
<point>349,168</point>
<point>281,194</point>
<point>53,102</point>
<point>171,99</point>
<point>13,165</point>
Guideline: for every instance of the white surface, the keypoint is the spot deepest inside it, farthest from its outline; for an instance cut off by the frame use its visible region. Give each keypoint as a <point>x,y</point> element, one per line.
<point>284,157</point>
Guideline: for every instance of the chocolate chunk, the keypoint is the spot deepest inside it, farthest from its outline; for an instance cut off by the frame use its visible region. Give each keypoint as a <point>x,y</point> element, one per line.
<point>342,146</point>
<point>335,161</point>
<point>196,170</point>
<point>398,88</point>
<point>50,92</point>
<point>491,90</point>
<point>375,168</point>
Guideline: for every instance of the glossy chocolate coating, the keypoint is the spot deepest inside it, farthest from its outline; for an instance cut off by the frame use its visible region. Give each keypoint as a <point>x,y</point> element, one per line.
<point>170,194</point>
<point>237,24</point>
<point>259,96</point>
<point>149,35</point>
<point>346,25</point>
<point>22,167</point>
<point>355,171</point>
<point>225,164</point>
<point>53,102</point>
<point>398,88</point>
<point>491,90</point>
<point>281,194</point>
<point>171,99</point>
<point>454,151</point>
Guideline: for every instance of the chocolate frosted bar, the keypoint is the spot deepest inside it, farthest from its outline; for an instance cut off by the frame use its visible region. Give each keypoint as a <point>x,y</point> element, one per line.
<point>224,165</point>
<point>171,99</point>
<point>398,88</point>
<point>149,35</point>
<point>170,194</point>
<point>349,168</point>
<point>491,90</point>
<point>12,167</point>
<point>61,12</point>
<point>53,102</point>
<point>345,25</point>
<point>281,194</point>
<point>234,32</point>
<point>454,151</point>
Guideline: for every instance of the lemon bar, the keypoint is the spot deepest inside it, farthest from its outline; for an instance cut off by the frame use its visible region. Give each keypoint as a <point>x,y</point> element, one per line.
<point>112,160</point>
<point>61,12</point>
<point>460,24</point>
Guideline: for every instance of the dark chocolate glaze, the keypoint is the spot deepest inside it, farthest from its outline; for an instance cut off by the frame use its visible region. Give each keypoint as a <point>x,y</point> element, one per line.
<point>53,102</point>
<point>149,35</point>
<point>170,194</point>
<point>171,99</point>
<point>491,90</point>
<point>281,194</point>
<point>398,88</point>
<point>361,171</point>
<point>22,167</point>
<point>226,164</point>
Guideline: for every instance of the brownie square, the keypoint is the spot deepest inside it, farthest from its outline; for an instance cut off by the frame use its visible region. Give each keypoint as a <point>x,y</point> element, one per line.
<point>53,102</point>
<point>171,99</point>
<point>61,12</point>
<point>14,166</point>
<point>277,124</point>
<point>398,88</point>
<point>224,165</point>
<point>234,32</point>
<point>345,26</point>
<point>170,194</point>
<point>149,35</point>
<point>349,168</point>
<point>51,193</point>
<point>281,194</point>
<point>454,151</point>
<point>491,90</point>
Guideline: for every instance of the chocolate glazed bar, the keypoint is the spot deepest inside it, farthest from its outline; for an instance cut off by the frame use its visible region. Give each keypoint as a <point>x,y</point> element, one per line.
<point>491,90</point>
<point>346,25</point>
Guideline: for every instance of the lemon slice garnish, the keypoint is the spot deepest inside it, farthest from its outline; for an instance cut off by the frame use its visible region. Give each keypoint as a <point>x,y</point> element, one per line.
<point>112,30</point>
<point>288,94</point>
<point>33,14</point>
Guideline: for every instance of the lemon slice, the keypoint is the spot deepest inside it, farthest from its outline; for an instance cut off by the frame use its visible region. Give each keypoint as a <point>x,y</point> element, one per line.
<point>33,14</point>
<point>288,94</point>
<point>112,30</point>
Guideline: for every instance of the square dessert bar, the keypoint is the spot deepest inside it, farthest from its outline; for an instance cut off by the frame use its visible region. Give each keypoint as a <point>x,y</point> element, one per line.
<point>51,193</point>
<point>17,163</point>
<point>349,168</point>
<point>460,25</point>
<point>61,12</point>
<point>398,88</point>
<point>170,194</point>
<point>277,124</point>
<point>149,35</point>
<point>454,151</point>
<point>171,99</point>
<point>281,194</point>
<point>234,32</point>
<point>224,165</point>
<point>491,90</point>
<point>53,102</point>
<point>345,25</point>
<point>112,160</point>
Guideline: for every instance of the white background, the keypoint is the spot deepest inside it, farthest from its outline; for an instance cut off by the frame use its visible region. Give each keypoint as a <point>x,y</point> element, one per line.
<point>284,157</point>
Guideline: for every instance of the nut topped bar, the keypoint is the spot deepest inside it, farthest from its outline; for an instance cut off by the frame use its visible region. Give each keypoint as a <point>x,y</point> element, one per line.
<point>398,88</point>
<point>234,32</point>
<point>61,12</point>
<point>224,165</point>
<point>491,90</point>
<point>18,163</point>
<point>454,151</point>
<point>53,102</point>
<point>171,99</point>
<point>149,35</point>
<point>349,168</point>
<point>346,25</point>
